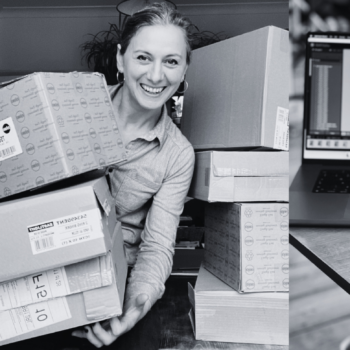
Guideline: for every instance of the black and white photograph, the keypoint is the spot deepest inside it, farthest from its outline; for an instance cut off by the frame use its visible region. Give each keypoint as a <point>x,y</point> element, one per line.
<point>175,174</point>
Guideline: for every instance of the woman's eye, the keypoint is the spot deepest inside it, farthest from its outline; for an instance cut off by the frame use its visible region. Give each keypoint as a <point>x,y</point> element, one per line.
<point>172,62</point>
<point>142,58</point>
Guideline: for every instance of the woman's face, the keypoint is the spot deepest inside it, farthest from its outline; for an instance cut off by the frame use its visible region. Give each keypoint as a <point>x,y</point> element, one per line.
<point>154,65</point>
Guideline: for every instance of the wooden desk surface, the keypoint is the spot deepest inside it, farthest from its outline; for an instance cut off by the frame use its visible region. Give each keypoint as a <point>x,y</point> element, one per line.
<point>177,331</point>
<point>328,248</point>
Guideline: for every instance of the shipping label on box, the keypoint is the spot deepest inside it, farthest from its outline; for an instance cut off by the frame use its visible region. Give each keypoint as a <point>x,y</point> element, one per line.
<point>29,318</point>
<point>59,282</point>
<point>259,249</point>
<point>69,230</point>
<point>56,228</point>
<point>56,125</point>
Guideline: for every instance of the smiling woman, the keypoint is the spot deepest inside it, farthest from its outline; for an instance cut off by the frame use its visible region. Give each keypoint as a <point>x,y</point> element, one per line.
<point>151,186</point>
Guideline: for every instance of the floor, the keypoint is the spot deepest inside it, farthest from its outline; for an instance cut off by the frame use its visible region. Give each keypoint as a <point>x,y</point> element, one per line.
<point>319,309</point>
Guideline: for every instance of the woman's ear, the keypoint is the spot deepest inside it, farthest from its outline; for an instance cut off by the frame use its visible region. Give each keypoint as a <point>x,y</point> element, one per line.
<point>120,63</point>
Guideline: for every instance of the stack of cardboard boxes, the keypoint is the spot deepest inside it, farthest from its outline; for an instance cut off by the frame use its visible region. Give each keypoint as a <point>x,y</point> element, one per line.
<point>62,253</point>
<point>236,117</point>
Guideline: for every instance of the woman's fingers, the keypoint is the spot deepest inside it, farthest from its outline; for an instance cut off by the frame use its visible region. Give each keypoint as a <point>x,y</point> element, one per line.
<point>106,337</point>
<point>100,335</point>
<point>91,337</point>
<point>97,335</point>
<point>79,333</point>
<point>141,300</point>
<point>135,309</point>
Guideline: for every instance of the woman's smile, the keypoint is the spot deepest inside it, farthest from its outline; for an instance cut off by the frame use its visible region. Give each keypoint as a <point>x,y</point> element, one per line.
<point>153,91</point>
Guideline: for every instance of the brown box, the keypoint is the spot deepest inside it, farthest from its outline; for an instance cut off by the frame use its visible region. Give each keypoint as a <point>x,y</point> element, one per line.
<point>246,245</point>
<point>53,126</point>
<point>53,229</point>
<point>72,311</point>
<point>238,92</point>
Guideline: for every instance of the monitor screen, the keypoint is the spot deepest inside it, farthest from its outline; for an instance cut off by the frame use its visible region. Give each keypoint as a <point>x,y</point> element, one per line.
<point>328,97</point>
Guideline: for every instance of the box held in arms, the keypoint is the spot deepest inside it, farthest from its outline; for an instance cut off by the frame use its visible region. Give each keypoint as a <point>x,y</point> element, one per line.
<point>53,126</point>
<point>58,282</point>
<point>219,313</point>
<point>73,310</point>
<point>240,176</point>
<point>238,92</point>
<point>48,230</point>
<point>246,245</point>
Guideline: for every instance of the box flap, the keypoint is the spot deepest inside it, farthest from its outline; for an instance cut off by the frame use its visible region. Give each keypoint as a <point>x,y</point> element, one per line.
<point>104,196</point>
<point>192,317</point>
<point>5,83</point>
<point>111,302</point>
<point>229,164</point>
<point>191,295</point>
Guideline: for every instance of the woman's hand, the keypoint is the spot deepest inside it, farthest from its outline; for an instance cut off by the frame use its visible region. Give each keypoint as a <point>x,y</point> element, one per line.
<point>110,330</point>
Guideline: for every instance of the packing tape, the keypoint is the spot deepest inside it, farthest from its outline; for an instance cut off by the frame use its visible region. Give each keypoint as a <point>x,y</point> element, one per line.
<point>102,303</point>
<point>92,273</point>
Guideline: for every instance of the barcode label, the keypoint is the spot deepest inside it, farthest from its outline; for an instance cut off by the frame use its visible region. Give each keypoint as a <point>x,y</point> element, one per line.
<point>281,140</point>
<point>280,115</point>
<point>60,232</point>
<point>7,152</point>
<point>44,243</point>
<point>9,142</point>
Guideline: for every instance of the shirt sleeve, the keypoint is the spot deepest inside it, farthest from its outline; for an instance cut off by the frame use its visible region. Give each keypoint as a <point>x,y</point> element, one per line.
<point>155,257</point>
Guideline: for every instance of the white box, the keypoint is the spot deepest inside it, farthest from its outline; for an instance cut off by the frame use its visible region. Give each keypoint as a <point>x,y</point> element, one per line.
<point>240,176</point>
<point>219,313</point>
<point>246,245</point>
<point>57,125</point>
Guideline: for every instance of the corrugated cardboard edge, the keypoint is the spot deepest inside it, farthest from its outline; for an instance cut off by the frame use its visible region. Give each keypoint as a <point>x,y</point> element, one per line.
<point>111,104</point>
<point>103,196</point>
<point>226,184</point>
<point>192,312</point>
<point>53,120</point>
<point>264,97</point>
<point>237,170</point>
<point>5,83</point>
<point>98,308</point>
<point>112,303</point>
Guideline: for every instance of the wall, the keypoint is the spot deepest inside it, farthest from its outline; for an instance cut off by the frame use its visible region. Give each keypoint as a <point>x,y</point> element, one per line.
<point>48,38</point>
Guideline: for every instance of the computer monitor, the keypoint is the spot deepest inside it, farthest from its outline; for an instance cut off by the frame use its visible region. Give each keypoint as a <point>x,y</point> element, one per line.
<point>327,96</point>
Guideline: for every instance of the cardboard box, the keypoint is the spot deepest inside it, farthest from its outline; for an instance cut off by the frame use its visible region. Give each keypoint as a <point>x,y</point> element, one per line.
<point>53,126</point>
<point>240,176</point>
<point>59,282</point>
<point>72,311</point>
<point>246,245</point>
<point>219,313</point>
<point>238,92</point>
<point>49,230</point>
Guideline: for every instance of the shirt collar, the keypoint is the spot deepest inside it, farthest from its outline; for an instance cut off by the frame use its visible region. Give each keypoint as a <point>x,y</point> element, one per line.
<point>159,130</point>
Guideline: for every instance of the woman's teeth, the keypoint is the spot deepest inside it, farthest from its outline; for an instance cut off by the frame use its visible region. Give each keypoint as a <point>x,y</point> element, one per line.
<point>152,90</point>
